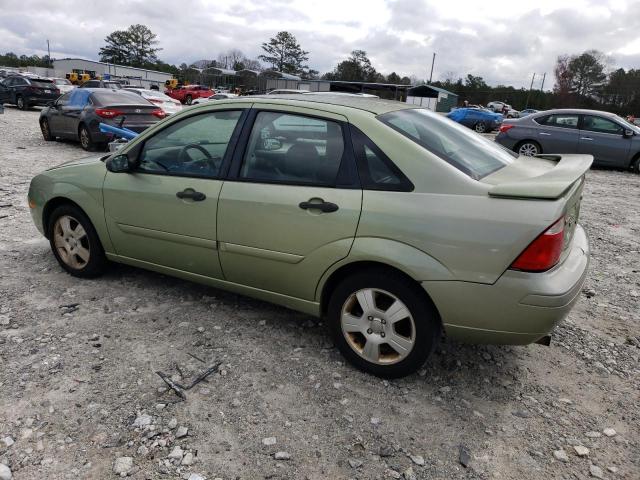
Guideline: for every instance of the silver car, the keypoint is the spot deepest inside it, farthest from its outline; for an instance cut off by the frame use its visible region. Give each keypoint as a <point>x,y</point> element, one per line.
<point>611,140</point>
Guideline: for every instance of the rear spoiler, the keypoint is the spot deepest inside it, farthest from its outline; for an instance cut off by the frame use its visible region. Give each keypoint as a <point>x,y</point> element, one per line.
<point>548,182</point>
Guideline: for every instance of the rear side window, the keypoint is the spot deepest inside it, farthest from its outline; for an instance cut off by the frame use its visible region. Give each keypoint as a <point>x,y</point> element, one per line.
<point>376,170</point>
<point>558,120</point>
<point>469,152</point>
<point>293,149</point>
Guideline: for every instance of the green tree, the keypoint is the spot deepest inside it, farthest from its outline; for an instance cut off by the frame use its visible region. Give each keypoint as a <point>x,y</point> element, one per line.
<point>357,68</point>
<point>393,77</point>
<point>284,53</point>
<point>135,46</point>
<point>587,72</point>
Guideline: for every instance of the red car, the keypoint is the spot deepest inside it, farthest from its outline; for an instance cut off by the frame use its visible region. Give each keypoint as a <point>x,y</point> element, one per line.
<point>189,93</point>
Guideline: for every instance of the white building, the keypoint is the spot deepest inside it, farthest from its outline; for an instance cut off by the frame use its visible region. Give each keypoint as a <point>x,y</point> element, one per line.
<point>134,76</point>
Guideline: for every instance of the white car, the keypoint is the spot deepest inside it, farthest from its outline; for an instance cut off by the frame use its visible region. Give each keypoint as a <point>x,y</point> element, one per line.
<point>498,107</point>
<point>217,96</point>
<point>286,91</point>
<point>165,102</point>
<point>64,85</point>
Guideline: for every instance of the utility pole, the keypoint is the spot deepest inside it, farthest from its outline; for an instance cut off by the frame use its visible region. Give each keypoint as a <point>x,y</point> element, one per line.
<point>544,75</point>
<point>433,61</point>
<point>530,88</point>
<point>48,55</point>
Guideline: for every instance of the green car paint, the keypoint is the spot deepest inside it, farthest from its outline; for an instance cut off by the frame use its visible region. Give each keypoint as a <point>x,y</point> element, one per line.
<point>456,236</point>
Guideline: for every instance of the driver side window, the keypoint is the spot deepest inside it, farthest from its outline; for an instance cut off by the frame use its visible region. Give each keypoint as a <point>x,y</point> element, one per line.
<point>192,147</point>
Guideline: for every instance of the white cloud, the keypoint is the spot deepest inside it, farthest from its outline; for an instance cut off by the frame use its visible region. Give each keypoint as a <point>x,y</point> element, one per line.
<point>505,41</point>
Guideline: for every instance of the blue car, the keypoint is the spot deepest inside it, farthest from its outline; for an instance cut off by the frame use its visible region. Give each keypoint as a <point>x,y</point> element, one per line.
<point>480,120</point>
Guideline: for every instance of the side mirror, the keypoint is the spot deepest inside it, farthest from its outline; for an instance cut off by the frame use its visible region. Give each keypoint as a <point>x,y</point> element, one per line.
<point>271,144</point>
<point>119,164</point>
<point>628,134</point>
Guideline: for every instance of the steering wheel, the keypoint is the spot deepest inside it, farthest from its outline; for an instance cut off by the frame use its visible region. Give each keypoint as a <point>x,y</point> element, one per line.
<point>183,157</point>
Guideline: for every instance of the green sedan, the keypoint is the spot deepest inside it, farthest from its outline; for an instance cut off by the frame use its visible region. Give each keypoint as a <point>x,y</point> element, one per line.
<point>393,223</point>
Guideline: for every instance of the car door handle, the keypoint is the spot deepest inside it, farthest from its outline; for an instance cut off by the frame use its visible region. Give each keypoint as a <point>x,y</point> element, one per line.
<point>326,207</point>
<point>586,138</point>
<point>545,134</point>
<point>191,194</point>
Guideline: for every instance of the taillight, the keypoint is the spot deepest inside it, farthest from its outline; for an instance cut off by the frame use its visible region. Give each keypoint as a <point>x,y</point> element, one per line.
<point>505,128</point>
<point>108,112</point>
<point>544,252</point>
<point>158,112</point>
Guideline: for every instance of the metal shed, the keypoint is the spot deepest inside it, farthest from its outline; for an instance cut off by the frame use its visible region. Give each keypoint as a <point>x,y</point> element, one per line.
<point>434,98</point>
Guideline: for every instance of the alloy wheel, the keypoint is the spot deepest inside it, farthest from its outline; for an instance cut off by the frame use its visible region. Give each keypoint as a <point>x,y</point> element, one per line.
<point>44,126</point>
<point>378,326</point>
<point>71,242</point>
<point>528,149</point>
<point>85,141</point>
<point>480,127</point>
<point>20,103</point>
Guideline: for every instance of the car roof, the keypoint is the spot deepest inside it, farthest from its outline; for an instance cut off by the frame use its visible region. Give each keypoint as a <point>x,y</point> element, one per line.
<point>332,103</point>
<point>578,111</point>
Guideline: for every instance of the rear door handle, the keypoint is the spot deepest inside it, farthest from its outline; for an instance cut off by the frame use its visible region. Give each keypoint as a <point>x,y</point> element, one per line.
<point>586,138</point>
<point>326,207</point>
<point>545,134</point>
<point>191,194</point>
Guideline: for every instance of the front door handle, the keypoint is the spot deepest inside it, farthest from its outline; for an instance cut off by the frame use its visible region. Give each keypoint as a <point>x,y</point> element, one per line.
<point>326,207</point>
<point>545,134</point>
<point>586,138</point>
<point>191,194</point>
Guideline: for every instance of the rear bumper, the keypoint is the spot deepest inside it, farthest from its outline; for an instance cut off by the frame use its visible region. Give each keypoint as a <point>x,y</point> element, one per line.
<point>519,308</point>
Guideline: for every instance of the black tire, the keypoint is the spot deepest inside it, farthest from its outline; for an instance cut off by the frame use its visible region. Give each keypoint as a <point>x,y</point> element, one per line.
<point>21,103</point>
<point>532,144</point>
<point>480,127</point>
<point>188,100</point>
<point>84,135</point>
<point>97,261</point>
<point>635,165</point>
<point>426,323</point>
<point>46,131</point>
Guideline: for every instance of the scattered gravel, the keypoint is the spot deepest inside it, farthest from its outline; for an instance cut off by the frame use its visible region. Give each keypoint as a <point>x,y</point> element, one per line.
<point>79,395</point>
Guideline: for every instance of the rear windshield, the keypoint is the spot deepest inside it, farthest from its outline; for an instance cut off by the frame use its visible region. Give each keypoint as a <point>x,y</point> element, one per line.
<point>41,83</point>
<point>121,97</point>
<point>466,150</point>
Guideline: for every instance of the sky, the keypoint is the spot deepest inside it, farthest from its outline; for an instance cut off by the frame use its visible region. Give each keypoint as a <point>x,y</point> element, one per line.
<point>505,42</point>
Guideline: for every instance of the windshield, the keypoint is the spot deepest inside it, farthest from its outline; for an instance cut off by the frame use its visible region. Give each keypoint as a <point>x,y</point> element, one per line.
<point>627,124</point>
<point>466,150</point>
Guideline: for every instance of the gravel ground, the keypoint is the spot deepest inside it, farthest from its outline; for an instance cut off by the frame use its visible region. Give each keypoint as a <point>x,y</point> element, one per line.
<point>79,396</point>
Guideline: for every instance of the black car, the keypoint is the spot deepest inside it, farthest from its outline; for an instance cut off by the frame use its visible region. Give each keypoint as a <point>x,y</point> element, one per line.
<point>101,84</point>
<point>76,115</point>
<point>25,92</point>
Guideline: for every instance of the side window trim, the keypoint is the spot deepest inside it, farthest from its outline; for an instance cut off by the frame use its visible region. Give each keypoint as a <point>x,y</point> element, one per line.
<point>360,140</point>
<point>347,173</point>
<point>226,160</point>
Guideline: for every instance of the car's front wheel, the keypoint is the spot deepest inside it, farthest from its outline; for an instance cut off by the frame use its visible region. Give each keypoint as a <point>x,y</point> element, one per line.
<point>75,243</point>
<point>21,103</point>
<point>529,148</point>
<point>635,166</point>
<point>382,323</point>
<point>46,131</point>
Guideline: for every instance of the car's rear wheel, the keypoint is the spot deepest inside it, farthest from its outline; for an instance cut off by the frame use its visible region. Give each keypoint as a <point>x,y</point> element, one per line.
<point>75,243</point>
<point>382,323</point>
<point>528,148</point>
<point>46,131</point>
<point>188,100</point>
<point>85,138</point>
<point>21,103</point>
<point>480,127</point>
